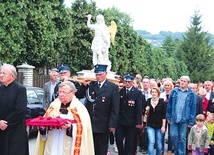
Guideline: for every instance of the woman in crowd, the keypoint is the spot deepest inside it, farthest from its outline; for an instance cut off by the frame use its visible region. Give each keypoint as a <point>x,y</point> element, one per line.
<point>156,109</point>
<point>168,86</point>
<point>137,84</point>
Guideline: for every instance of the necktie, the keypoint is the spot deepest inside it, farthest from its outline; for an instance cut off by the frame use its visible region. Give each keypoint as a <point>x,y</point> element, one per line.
<point>99,84</point>
<point>127,91</point>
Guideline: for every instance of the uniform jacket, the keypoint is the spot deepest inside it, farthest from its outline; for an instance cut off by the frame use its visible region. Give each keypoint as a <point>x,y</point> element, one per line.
<point>189,111</point>
<point>102,105</point>
<point>130,113</point>
<point>204,141</point>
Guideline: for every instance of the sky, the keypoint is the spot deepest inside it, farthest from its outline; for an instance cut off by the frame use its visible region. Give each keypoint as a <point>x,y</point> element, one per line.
<point>162,15</point>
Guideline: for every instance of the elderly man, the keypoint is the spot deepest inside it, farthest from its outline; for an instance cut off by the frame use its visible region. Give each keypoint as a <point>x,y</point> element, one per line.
<point>49,89</point>
<point>73,138</point>
<point>209,96</point>
<point>208,87</point>
<point>103,107</point>
<point>146,87</point>
<point>13,104</point>
<point>181,112</point>
<point>65,74</point>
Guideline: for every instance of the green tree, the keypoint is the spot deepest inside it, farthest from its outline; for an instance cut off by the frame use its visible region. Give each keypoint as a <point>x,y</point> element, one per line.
<point>40,34</point>
<point>12,24</point>
<point>64,34</point>
<point>80,53</point>
<point>196,51</point>
<point>169,45</point>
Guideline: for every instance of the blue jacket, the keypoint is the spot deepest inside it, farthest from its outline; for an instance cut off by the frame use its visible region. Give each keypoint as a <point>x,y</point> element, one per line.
<point>189,111</point>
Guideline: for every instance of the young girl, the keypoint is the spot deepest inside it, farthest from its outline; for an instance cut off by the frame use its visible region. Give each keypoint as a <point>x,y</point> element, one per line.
<point>210,126</point>
<point>199,139</point>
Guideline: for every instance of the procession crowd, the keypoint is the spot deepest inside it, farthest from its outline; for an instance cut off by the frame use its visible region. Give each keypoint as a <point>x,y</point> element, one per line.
<point>135,114</point>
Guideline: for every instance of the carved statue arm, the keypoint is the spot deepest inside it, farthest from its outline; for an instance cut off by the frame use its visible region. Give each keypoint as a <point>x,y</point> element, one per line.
<point>91,26</point>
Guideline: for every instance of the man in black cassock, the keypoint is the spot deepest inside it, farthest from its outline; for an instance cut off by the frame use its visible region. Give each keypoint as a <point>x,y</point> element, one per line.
<point>13,104</point>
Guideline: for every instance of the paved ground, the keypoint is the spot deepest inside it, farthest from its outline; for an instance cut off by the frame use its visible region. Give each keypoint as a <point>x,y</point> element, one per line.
<point>32,143</point>
<point>111,148</point>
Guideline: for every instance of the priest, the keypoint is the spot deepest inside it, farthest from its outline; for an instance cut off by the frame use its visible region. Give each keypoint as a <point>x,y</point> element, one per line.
<point>72,138</point>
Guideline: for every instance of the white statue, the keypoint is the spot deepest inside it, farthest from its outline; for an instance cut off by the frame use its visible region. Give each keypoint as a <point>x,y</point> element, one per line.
<point>101,42</point>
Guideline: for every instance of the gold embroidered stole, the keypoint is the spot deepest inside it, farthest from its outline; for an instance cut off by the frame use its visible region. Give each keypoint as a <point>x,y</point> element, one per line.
<point>79,131</point>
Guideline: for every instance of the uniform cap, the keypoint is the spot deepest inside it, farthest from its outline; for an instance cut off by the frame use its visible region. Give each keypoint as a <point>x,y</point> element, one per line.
<point>99,68</point>
<point>128,77</point>
<point>64,68</point>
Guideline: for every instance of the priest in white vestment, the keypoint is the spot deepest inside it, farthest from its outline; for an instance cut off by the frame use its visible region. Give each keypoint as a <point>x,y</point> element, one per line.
<point>73,138</point>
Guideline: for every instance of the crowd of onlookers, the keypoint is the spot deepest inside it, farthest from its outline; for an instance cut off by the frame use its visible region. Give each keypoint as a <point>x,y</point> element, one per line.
<point>140,113</point>
<point>153,114</point>
<point>184,101</point>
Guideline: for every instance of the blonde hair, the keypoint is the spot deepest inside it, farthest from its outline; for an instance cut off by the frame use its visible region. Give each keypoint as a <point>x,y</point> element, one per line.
<point>200,117</point>
<point>168,82</point>
<point>137,81</point>
<point>202,92</point>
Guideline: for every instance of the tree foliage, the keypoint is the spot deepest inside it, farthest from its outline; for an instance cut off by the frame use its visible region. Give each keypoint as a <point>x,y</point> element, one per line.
<point>196,51</point>
<point>13,22</point>
<point>46,34</point>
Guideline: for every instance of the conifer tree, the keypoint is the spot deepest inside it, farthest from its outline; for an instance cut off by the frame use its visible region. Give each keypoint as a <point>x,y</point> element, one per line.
<point>196,51</point>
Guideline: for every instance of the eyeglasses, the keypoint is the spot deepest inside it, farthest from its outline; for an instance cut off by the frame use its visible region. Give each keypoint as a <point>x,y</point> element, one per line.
<point>64,93</point>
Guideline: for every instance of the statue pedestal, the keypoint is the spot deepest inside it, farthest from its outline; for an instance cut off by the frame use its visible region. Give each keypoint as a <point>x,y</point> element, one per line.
<point>89,74</point>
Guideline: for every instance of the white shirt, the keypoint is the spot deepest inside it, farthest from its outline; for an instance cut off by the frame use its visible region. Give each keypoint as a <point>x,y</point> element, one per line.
<point>208,95</point>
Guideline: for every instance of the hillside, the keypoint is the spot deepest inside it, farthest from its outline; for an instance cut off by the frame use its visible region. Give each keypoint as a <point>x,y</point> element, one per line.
<point>157,39</point>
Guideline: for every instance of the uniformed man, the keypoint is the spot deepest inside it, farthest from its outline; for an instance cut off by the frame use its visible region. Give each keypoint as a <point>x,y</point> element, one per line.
<point>103,107</point>
<point>64,74</point>
<point>130,116</point>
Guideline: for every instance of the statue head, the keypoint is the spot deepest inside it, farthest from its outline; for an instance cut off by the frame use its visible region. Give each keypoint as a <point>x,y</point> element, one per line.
<point>100,19</point>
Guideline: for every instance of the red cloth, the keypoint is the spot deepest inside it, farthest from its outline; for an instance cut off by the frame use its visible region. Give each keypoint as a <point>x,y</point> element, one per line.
<point>205,104</point>
<point>206,150</point>
<point>48,122</point>
<point>189,147</point>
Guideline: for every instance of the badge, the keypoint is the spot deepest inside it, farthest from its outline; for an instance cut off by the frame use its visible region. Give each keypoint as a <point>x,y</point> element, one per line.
<point>131,103</point>
<point>103,99</point>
